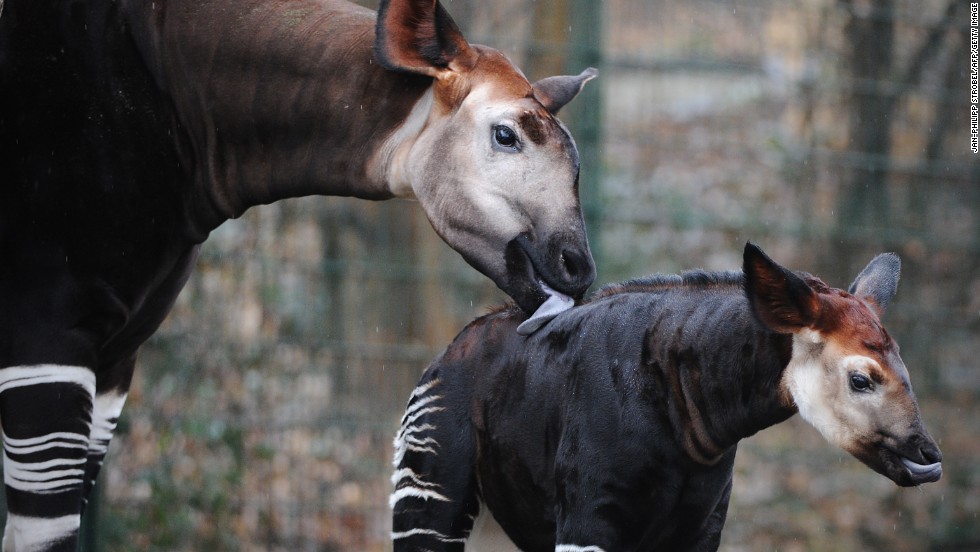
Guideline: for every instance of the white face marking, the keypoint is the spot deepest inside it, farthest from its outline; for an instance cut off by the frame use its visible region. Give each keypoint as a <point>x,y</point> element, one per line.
<point>390,162</point>
<point>817,378</point>
<point>805,379</point>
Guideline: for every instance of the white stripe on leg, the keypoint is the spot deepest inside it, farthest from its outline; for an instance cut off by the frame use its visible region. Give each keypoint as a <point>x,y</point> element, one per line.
<point>418,406</point>
<point>28,534</point>
<point>105,415</point>
<point>61,439</point>
<point>427,532</point>
<point>417,488</point>
<point>106,409</point>
<point>39,478</point>
<point>23,376</point>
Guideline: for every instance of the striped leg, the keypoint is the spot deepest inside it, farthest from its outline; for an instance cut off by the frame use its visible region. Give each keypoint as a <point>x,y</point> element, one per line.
<point>105,414</point>
<point>45,413</point>
<point>111,388</point>
<point>434,502</point>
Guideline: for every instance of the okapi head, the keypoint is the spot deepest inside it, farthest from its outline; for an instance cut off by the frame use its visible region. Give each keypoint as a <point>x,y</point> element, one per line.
<point>492,167</point>
<point>845,375</point>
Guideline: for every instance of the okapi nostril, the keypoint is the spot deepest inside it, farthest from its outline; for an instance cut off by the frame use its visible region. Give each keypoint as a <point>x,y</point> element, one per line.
<point>932,455</point>
<point>574,263</point>
<point>568,260</point>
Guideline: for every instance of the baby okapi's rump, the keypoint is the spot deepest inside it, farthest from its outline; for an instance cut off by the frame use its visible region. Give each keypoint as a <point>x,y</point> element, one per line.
<point>614,427</point>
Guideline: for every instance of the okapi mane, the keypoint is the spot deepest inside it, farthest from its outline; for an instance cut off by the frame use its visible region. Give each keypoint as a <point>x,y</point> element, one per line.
<point>691,279</point>
<point>509,308</point>
<point>694,279</point>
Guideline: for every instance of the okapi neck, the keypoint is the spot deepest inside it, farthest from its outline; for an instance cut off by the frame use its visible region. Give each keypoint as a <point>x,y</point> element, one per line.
<point>330,156</point>
<point>277,106</point>
<point>719,398</point>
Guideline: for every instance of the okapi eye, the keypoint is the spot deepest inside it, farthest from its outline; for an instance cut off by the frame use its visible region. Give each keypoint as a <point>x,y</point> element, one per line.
<point>505,138</point>
<point>861,383</point>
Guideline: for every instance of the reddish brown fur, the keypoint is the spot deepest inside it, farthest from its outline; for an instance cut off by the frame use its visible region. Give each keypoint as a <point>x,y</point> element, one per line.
<point>485,65</point>
<point>851,324</point>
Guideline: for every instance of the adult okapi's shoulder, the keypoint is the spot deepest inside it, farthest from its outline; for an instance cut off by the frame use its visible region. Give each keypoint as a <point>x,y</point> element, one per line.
<point>692,279</point>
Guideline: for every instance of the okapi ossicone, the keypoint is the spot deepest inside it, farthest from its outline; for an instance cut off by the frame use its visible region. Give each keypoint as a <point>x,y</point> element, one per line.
<point>615,426</point>
<point>130,129</point>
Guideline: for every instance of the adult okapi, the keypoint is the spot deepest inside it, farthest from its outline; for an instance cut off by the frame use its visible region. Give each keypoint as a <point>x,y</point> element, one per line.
<point>615,427</point>
<point>130,129</point>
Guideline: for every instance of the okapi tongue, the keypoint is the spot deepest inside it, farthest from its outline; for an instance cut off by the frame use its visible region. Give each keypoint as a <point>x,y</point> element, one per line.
<point>930,471</point>
<point>556,304</point>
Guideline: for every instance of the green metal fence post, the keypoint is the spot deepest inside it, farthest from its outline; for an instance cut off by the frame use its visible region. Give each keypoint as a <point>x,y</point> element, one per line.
<point>585,113</point>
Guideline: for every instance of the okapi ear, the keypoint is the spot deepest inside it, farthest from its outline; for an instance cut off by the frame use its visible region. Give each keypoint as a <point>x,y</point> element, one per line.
<point>555,92</point>
<point>878,282</point>
<point>780,299</point>
<point>419,36</point>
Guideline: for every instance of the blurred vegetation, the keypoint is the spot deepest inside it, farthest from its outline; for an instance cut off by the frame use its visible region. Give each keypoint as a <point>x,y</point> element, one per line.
<point>824,130</point>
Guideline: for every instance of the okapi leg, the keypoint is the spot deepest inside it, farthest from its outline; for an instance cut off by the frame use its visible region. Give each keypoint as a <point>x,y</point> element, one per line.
<point>707,538</point>
<point>45,413</point>
<point>434,502</point>
<point>105,414</point>
<point>112,388</point>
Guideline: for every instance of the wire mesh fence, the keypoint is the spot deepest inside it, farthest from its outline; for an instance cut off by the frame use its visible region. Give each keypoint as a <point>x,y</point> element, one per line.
<point>826,131</point>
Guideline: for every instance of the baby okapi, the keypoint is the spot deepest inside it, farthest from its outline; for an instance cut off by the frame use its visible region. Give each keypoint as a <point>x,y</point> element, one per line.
<point>615,426</point>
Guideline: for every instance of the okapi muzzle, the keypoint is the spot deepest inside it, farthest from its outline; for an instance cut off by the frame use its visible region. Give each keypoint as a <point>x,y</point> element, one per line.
<point>540,271</point>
